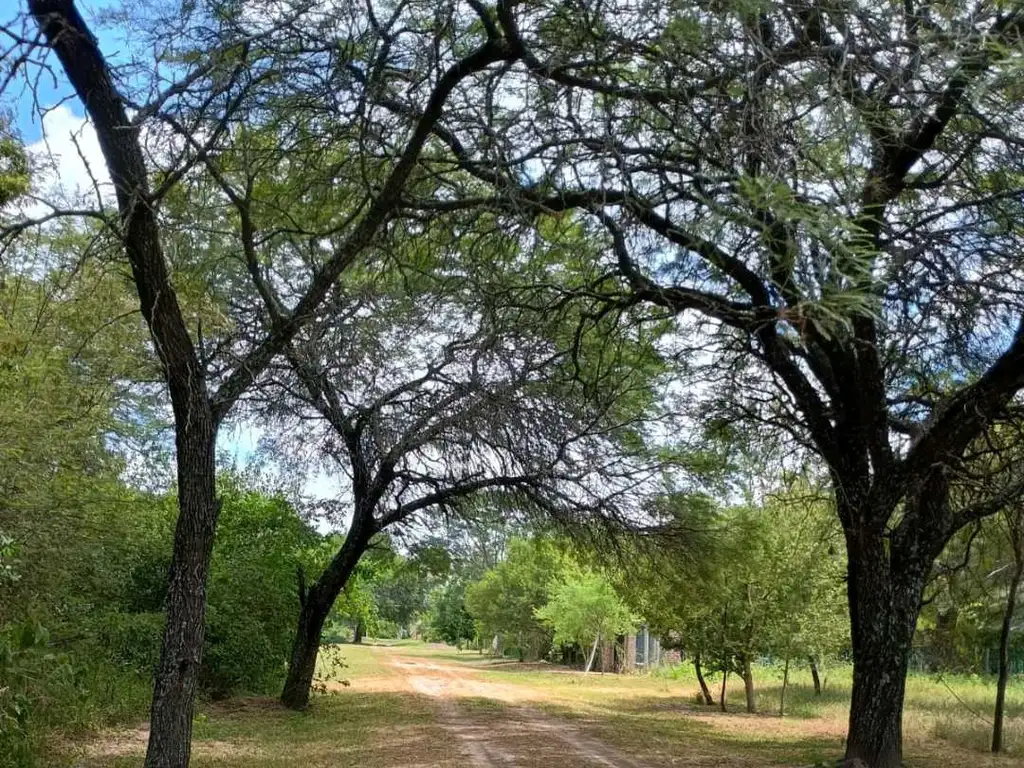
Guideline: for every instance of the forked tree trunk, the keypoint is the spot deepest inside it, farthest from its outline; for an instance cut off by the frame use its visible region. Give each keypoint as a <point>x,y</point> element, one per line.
<point>748,685</point>
<point>885,597</point>
<point>705,691</point>
<point>1004,653</point>
<point>814,675</point>
<point>316,605</point>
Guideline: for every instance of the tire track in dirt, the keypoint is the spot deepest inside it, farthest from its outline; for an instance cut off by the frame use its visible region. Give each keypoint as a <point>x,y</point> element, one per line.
<point>518,735</point>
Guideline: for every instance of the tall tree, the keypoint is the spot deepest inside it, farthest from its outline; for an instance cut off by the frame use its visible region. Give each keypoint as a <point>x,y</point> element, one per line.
<point>424,396</point>
<point>827,197</point>
<point>583,608</point>
<point>447,618</point>
<point>228,61</point>
<point>504,601</point>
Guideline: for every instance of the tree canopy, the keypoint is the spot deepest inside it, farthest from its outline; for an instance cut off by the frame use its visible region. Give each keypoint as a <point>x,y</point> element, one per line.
<point>544,257</point>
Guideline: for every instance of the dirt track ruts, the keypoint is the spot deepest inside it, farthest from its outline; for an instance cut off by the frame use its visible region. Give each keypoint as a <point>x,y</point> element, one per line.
<point>514,734</point>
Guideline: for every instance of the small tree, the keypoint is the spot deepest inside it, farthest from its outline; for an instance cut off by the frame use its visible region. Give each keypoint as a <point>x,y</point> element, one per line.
<point>505,600</point>
<point>1013,520</point>
<point>583,608</point>
<point>447,618</point>
<point>768,578</point>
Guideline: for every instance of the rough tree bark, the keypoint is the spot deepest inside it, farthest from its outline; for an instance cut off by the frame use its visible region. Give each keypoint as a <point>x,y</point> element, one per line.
<point>884,589</point>
<point>315,605</point>
<point>704,690</point>
<point>814,675</point>
<point>195,422</point>
<point>1016,527</point>
<point>748,685</point>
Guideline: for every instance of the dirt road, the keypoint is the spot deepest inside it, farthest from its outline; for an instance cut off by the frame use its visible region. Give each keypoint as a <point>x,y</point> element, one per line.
<point>511,733</point>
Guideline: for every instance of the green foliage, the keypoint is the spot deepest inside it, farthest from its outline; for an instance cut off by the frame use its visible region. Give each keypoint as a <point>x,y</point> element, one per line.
<point>252,594</point>
<point>584,607</point>
<point>82,656</point>
<point>505,600</point>
<point>447,619</point>
<point>401,585</point>
<point>387,591</point>
<point>766,580</point>
<point>22,658</point>
<point>14,176</point>
<point>959,626</point>
<point>49,686</point>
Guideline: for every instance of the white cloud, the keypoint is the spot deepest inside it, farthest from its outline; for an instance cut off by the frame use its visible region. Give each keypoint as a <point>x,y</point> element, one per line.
<point>67,164</point>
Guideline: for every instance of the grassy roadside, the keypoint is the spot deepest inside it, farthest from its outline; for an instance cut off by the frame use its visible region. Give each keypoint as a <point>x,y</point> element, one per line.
<point>377,721</point>
<point>360,724</point>
<point>659,716</point>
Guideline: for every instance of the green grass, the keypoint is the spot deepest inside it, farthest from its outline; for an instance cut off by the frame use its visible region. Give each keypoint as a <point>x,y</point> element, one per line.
<point>663,709</point>
<point>379,721</point>
<point>337,730</point>
<point>344,727</point>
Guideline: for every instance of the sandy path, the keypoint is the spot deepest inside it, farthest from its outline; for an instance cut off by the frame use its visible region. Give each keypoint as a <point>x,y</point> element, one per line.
<point>516,735</point>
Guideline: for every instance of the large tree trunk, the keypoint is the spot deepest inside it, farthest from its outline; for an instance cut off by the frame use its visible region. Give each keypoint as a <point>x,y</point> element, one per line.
<point>305,649</point>
<point>748,685</point>
<point>357,633</point>
<point>1004,655</point>
<point>316,605</point>
<point>194,420</point>
<point>705,691</point>
<point>175,682</point>
<point>884,590</point>
<point>814,675</point>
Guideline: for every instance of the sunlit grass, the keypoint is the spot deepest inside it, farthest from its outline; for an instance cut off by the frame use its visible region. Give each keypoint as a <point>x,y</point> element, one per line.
<point>955,710</point>
<point>378,720</point>
<point>345,727</point>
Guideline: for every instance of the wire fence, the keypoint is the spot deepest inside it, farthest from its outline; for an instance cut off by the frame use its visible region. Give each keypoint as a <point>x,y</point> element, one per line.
<point>984,661</point>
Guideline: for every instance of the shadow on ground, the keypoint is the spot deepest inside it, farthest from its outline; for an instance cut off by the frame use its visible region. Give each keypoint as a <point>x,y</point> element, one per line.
<point>370,730</point>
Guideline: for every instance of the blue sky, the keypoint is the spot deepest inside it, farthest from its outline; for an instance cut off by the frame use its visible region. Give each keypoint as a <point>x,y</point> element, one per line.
<point>75,157</point>
<point>49,92</point>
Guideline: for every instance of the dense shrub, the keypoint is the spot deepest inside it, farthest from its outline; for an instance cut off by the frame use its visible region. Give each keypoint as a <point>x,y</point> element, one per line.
<point>81,642</point>
<point>253,599</point>
<point>45,688</point>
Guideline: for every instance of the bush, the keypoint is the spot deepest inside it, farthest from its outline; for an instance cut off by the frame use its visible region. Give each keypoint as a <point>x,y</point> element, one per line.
<point>84,637</point>
<point>43,689</point>
<point>130,640</point>
<point>22,661</point>
<point>252,601</point>
<point>253,604</point>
